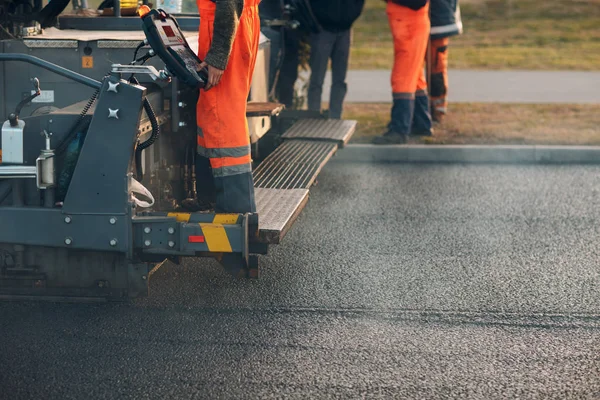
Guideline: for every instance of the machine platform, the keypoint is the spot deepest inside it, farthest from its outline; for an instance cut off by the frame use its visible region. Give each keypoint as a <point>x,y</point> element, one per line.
<point>284,178</point>
<point>278,209</point>
<point>294,165</point>
<point>334,130</point>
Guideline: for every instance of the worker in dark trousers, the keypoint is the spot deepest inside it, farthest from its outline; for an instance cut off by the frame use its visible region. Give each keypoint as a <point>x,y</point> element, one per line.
<point>228,45</point>
<point>285,48</point>
<point>445,22</point>
<point>333,42</point>
<point>409,23</point>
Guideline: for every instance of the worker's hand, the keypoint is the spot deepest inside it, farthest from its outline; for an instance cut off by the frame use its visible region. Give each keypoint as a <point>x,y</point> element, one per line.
<point>214,75</point>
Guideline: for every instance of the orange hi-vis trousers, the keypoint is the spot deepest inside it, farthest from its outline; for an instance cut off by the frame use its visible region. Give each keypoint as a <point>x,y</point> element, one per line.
<point>439,74</point>
<point>410,30</point>
<point>223,135</point>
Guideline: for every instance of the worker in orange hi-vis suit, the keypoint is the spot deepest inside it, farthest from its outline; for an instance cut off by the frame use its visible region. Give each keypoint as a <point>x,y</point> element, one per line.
<point>228,45</point>
<point>445,22</point>
<point>409,23</point>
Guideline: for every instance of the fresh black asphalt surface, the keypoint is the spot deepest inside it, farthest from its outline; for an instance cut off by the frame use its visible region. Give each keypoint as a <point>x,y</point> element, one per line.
<point>398,281</point>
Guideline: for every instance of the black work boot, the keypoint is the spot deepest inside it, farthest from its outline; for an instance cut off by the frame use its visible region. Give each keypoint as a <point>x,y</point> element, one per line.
<point>437,114</point>
<point>421,124</point>
<point>402,115</point>
<point>391,137</point>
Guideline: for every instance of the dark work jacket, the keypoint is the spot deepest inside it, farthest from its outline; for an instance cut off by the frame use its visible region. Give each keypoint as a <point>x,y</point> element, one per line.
<point>270,9</point>
<point>337,15</point>
<point>412,4</point>
<point>445,18</point>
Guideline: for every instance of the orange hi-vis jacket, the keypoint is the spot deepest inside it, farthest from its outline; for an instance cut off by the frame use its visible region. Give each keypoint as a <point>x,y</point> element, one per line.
<point>223,135</point>
<point>410,30</point>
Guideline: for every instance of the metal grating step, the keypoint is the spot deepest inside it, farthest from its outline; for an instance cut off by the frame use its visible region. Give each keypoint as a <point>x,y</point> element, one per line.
<point>277,210</point>
<point>294,165</point>
<point>336,130</point>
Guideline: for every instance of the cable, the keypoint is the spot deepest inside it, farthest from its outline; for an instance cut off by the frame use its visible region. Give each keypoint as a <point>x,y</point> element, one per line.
<point>145,57</point>
<point>79,125</point>
<point>133,61</point>
<point>153,137</point>
<point>137,49</point>
<point>139,168</point>
<point>155,127</point>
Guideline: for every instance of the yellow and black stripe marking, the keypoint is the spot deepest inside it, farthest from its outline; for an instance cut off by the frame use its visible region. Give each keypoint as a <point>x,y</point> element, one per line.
<point>223,219</point>
<point>216,238</point>
<point>213,226</point>
<point>180,217</point>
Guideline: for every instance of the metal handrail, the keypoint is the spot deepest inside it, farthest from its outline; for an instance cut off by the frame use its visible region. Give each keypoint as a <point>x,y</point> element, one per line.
<point>17,171</point>
<point>57,69</point>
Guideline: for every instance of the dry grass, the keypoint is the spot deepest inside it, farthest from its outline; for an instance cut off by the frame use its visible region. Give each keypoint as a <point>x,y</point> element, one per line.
<point>494,124</point>
<point>499,34</point>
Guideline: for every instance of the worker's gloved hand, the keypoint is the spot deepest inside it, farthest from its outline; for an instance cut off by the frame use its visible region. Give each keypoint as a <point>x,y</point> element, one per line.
<point>214,75</point>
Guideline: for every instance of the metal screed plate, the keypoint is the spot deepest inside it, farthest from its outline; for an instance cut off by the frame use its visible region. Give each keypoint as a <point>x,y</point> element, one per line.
<point>294,165</point>
<point>277,210</point>
<point>334,130</point>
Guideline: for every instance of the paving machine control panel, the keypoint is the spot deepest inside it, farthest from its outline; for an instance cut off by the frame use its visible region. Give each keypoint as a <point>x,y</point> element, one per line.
<point>168,42</point>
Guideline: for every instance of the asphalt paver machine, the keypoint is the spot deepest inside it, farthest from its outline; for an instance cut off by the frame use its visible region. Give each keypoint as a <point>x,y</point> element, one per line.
<point>98,148</point>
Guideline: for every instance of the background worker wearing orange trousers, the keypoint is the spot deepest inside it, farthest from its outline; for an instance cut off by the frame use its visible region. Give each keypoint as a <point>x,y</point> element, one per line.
<point>445,22</point>
<point>228,44</point>
<point>409,23</point>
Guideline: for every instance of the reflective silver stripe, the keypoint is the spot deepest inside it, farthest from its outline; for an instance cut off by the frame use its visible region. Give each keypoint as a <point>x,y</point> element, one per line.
<point>403,96</point>
<point>421,93</point>
<point>200,132</point>
<point>232,170</point>
<point>441,100</point>
<point>225,152</point>
<point>438,30</point>
<point>455,27</point>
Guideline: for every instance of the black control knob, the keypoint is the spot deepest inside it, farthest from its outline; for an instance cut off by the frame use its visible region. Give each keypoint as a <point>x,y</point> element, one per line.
<point>13,119</point>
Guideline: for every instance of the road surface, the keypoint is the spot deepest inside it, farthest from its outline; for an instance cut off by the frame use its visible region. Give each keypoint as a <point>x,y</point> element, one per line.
<point>405,281</point>
<point>474,86</point>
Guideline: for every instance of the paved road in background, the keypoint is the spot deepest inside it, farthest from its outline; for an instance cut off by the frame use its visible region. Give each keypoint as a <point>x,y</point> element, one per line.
<point>406,281</point>
<point>486,87</point>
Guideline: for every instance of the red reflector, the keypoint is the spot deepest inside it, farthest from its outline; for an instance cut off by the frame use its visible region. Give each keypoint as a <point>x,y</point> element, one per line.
<point>195,239</point>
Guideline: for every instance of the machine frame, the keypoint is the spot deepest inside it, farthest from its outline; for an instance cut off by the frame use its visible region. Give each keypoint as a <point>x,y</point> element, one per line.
<point>98,242</point>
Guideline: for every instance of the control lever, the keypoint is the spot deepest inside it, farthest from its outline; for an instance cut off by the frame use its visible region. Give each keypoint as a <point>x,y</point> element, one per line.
<point>142,69</point>
<point>13,118</point>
